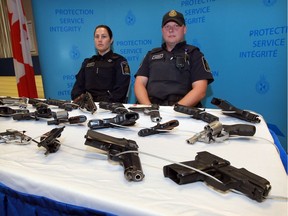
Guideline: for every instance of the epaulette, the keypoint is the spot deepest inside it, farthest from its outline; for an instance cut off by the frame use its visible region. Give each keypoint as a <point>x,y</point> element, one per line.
<point>190,48</point>
<point>115,56</point>
<point>156,50</point>
<point>92,58</point>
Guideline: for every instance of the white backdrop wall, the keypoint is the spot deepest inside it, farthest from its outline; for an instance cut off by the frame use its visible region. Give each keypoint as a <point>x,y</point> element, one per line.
<point>244,41</point>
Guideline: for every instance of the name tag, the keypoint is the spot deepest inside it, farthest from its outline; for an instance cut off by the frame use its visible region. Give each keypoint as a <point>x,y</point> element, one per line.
<point>158,56</point>
<point>91,64</point>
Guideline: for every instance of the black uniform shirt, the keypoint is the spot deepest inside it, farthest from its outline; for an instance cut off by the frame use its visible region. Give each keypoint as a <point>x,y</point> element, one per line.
<point>106,77</point>
<point>172,73</point>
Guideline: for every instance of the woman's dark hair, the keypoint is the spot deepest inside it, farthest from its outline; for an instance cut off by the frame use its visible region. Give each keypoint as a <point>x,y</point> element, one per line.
<point>107,28</point>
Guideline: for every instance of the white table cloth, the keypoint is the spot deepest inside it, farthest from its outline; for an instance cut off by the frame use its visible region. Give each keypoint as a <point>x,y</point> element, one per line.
<point>81,175</point>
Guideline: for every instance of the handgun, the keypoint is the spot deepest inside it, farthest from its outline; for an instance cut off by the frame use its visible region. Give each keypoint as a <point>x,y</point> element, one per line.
<point>85,101</point>
<point>14,136</point>
<point>42,111</point>
<point>217,132</point>
<point>118,108</point>
<point>49,140</point>
<point>62,104</point>
<point>35,101</point>
<point>248,183</point>
<point>152,111</point>
<point>125,119</point>
<point>159,128</point>
<point>13,101</point>
<point>230,110</point>
<point>196,113</point>
<point>117,150</point>
<point>6,111</point>
<point>63,117</point>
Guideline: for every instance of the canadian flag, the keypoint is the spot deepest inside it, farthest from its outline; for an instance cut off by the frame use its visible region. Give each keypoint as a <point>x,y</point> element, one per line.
<point>22,59</point>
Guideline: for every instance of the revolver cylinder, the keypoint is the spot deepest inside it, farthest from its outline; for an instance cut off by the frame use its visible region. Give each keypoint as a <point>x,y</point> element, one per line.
<point>207,134</point>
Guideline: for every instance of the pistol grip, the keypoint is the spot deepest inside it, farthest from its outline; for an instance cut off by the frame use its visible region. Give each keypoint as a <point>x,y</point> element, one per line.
<point>240,129</point>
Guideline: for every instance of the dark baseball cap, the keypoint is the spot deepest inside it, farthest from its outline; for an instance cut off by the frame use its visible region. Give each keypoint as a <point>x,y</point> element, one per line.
<point>175,16</point>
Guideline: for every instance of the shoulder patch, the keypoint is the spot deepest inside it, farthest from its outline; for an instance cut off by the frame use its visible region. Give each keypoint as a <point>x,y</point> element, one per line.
<point>125,68</point>
<point>205,64</point>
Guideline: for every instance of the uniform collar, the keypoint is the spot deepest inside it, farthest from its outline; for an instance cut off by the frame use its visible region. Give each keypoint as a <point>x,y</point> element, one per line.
<point>105,56</point>
<point>177,46</point>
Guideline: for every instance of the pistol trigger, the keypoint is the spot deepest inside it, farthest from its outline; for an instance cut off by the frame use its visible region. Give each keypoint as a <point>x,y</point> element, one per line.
<point>208,138</point>
<point>223,136</point>
<point>216,184</point>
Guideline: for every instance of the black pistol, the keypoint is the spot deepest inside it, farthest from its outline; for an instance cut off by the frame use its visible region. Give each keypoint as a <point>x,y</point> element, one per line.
<point>230,110</point>
<point>250,184</point>
<point>85,101</point>
<point>42,111</point>
<point>159,128</point>
<point>125,119</point>
<point>116,149</point>
<point>62,104</point>
<point>49,140</point>
<point>196,113</point>
<point>118,108</point>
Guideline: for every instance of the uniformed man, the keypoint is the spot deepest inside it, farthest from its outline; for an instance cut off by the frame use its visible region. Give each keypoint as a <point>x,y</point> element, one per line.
<point>174,73</point>
<point>106,76</point>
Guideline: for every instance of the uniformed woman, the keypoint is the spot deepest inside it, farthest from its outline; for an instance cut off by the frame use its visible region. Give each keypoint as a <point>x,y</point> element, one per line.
<point>106,76</point>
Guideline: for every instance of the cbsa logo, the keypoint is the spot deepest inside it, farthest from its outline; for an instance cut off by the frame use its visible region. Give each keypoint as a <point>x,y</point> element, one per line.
<point>262,86</point>
<point>130,18</point>
<point>269,3</point>
<point>74,53</point>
